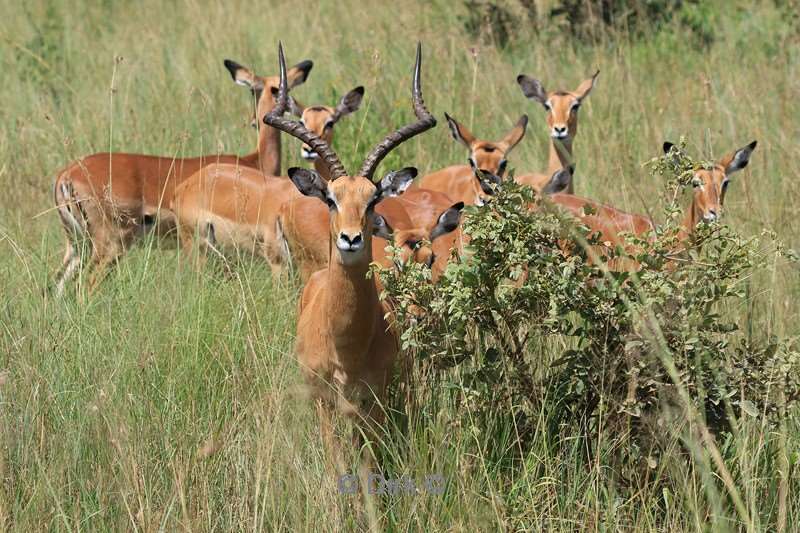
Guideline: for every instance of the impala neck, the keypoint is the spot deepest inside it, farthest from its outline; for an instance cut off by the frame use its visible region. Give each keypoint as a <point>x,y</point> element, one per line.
<point>559,160</point>
<point>351,305</point>
<point>267,156</point>
<point>690,221</point>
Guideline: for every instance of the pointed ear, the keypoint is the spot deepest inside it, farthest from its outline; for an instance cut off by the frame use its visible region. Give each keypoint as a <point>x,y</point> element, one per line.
<point>559,181</point>
<point>586,87</point>
<point>349,102</point>
<point>243,75</point>
<point>667,147</point>
<point>739,159</point>
<point>532,88</point>
<point>298,74</point>
<point>395,183</point>
<point>448,221</point>
<point>459,132</point>
<point>381,228</point>
<point>309,183</point>
<point>516,134</point>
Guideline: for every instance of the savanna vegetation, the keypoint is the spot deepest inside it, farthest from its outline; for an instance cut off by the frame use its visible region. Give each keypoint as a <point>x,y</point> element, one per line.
<point>547,393</point>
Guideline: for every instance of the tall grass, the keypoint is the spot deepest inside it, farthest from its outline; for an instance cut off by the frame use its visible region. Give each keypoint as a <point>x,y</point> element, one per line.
<point>171,400</point>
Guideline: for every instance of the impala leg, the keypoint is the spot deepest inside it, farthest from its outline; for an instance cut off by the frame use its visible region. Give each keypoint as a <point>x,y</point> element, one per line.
<point>186,237</point>
<point>69,267</point>
<point>106,255</point>
<point>330,442</point>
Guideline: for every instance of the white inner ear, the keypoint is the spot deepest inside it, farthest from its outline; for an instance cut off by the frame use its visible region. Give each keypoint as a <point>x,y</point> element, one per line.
<point>243,83</point>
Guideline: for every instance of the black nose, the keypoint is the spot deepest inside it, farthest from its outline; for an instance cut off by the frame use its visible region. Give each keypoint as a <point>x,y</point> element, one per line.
<point>355,240</point>
<point>560,129</point>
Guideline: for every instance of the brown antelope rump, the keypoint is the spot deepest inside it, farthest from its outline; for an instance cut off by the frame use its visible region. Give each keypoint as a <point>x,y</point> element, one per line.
<point>562,120</point>
<point>112,199</point>
<point>237,208</point>
<point>344,345</point>
<point>472,183</point>
<point>708,195</point>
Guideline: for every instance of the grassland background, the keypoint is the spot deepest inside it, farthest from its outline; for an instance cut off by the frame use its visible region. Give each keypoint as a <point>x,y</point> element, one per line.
<point>171,400</point>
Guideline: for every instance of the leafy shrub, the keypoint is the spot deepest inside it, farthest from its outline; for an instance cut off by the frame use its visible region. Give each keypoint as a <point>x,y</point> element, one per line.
<point>645,348</point>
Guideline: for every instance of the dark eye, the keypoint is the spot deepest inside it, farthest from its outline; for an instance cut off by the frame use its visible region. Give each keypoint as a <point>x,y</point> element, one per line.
<point>547,106</point>
<point>725,185</point>
<point>330,202</point>
<point>328,125</point>
<point>576,106</point>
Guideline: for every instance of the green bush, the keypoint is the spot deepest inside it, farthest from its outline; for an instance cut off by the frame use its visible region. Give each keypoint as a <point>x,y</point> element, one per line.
<point>645,349</point>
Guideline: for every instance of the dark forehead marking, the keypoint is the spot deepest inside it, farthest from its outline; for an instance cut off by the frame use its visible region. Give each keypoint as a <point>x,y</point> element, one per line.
<point>561,93</point>
<point>317,108</point>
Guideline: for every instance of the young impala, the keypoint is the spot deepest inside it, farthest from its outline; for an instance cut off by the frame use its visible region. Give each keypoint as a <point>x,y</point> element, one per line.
<point>344,345</point>
<point>112,199</point>
<point>562,121</point>
<point>237,208</point>
<point>708,195</point>
<point>472,183</point>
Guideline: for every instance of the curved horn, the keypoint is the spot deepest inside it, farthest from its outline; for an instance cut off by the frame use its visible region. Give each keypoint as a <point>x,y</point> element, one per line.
<point>425,121</point>
<point>296,129</point>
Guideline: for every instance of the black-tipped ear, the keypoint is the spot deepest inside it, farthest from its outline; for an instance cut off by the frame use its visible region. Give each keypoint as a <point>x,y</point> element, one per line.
<point>381,228</point>
<point>350,102</point>
<point>739,159</point>
<point>396,182</point>
<point>232,67</point>
<point>559,181</point>
<point>667,146</point>
<point>299,73</point>
<point>309,183</point>
<point>448,221</point>
<point>532,88</point>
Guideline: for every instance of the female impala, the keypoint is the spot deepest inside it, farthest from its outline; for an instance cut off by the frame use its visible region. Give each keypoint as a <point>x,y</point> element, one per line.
<point>709,188</point>
<point>239,206</point>
<point>321,119</point>
<point>487,163</point>
<point>562,120</point>
<point>114,198</point>
<point>344,346</point>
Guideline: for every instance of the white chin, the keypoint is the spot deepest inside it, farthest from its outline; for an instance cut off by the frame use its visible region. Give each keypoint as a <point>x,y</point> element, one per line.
<point>560,137</point>
<point>351,257</point>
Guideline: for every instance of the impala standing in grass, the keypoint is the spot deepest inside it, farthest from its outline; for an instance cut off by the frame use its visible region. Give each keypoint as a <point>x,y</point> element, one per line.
<point>113,199</point>
<point>709,187</point>
<point>472,183</point>
<point>562,120</point>
<point>344,345</point>
<point>234,207</point>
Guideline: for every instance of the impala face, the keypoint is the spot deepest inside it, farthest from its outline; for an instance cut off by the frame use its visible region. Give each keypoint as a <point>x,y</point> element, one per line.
<point>487,158</point>
<point>321,119</point>
<point>561,106</point>
<point>415,244</point>
<point>265,88</point>
<point>352,201</point>
<point>710,185</point>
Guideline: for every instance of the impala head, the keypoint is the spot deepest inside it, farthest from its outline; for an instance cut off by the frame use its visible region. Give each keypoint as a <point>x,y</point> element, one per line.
<point>321,119</point>
<point>559,181</point>
<point>416,244</point>
<point>351,199</point>
<point>265,88</point>
<point>561,106</point>
<point>710,185</point>
<point>487,158</point>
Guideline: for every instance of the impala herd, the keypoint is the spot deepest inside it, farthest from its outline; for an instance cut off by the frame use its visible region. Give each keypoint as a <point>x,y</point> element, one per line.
<point>331,223</point>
